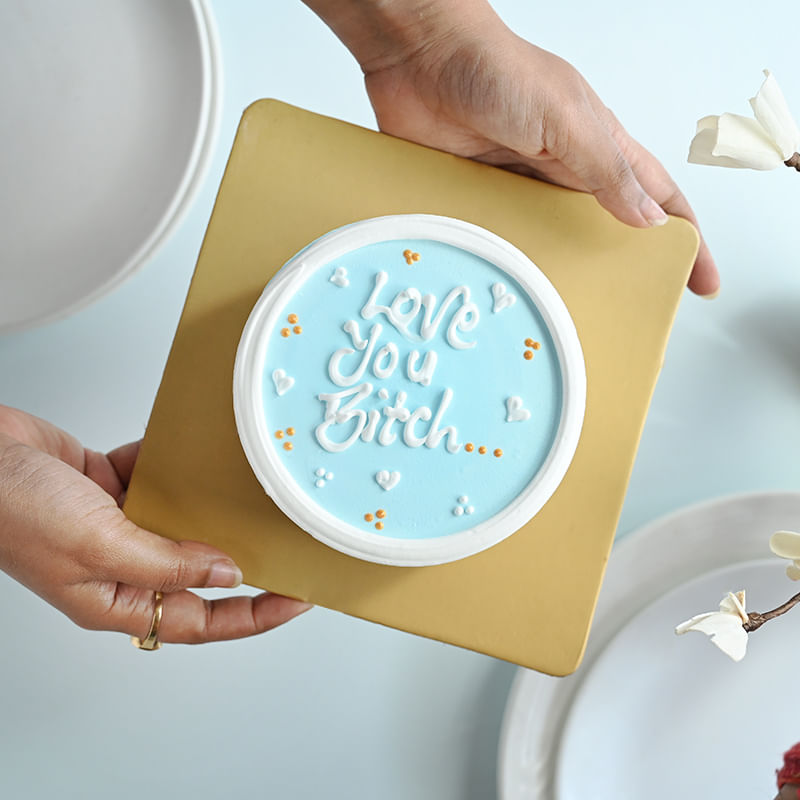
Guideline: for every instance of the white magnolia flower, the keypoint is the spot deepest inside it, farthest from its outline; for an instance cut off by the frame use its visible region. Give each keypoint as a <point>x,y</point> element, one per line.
<point>725,627</point>
<point>786,544</point>
<point>766,142</point>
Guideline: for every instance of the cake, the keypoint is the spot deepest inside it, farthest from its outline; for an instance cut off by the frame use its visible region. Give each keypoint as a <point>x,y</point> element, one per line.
<point>409,389</point>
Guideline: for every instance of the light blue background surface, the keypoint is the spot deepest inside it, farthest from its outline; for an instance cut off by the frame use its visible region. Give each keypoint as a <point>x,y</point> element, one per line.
<point>331,706</point>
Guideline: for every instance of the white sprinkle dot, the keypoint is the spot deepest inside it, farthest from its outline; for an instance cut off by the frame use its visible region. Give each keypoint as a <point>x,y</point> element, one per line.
<point>329,476</point>
<point>458,511</point>
<point>470,509</point>
<point>383,394</point>
<point>320,483</point>
<point>320,472</point>
<point>463,499</point>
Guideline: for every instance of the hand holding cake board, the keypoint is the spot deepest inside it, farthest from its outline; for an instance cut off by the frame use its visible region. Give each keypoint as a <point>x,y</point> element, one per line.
<point>294,177</point>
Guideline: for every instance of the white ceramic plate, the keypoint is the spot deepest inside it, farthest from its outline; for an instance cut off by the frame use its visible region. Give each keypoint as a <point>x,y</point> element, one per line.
<point>109,113</point>
<point>650,712</point>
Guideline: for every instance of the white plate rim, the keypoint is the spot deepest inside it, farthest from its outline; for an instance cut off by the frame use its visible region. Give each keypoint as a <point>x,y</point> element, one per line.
<point>538,704</point>
<point>188,187</point>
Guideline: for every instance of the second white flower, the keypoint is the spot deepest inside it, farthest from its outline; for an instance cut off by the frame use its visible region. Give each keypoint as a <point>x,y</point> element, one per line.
<point>766,142</point>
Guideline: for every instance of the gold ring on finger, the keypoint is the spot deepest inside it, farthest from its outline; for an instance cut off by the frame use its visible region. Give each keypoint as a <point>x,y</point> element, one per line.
<point>150,642</point>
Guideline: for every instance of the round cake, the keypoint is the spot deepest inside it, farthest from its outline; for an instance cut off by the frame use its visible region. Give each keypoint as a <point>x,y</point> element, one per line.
<point>409,389</point>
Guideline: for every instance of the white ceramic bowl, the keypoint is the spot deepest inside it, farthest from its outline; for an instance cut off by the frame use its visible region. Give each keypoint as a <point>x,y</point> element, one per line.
<point>110,112</point>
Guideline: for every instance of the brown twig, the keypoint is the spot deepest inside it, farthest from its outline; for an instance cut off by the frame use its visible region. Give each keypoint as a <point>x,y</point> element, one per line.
<point>756,620</point>
<point>793,161</point>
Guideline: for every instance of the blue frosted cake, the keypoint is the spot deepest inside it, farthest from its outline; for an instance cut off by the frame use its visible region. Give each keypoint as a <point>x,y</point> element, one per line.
<point>410,389</point>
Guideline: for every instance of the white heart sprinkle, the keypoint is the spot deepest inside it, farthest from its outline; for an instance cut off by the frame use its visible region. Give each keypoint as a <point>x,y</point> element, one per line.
<point>502,297</point>
<point>282,381</point>
<point>339,277</point>
<point>387,480</point>
<point>515,410</point>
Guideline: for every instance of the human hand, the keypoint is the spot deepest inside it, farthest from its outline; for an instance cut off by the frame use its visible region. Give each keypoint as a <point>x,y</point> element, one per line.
<point>449,74</point>
<point>64,536</point>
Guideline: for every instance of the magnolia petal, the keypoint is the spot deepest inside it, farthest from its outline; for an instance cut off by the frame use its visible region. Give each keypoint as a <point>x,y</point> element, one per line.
<point>772,112</point>
<point>730,637</point>
<point>734,604</point>
<point>701,150</point>
<point>744,140</point>
<point>691,624</point>
<point>785,544</point>
<point>725,631</point>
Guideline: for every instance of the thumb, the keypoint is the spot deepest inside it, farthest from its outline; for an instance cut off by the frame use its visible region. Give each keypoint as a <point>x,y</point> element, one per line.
<point>141,558</point>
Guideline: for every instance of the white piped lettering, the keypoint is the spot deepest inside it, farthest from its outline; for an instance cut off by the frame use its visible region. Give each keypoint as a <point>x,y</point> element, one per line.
<point>337,414</point>
<point>465,318</point>
<point>424,374</point>
<point>335,373</point>
<point>384,372</point>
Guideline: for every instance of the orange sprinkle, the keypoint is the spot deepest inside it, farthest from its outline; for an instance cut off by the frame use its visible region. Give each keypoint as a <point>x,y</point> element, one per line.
<point>529,342</point>
<point>297,329</point>
<point>469,447</point>
<point>482,450</point>
<point>292,318</point>
<point>279,434</point>
<point>284,332</point>
<point>536,345</point>
<point>287,445</point>
<point>368,517</point>
<point>528,354</point>
<point>410,256</point>
<point>380,513</point>
<point>290,431</point>
<point>498,453</point>
<point>379,526</point>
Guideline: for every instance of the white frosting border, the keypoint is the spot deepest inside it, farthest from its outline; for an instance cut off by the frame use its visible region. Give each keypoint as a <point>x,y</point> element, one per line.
<point>298,504</point>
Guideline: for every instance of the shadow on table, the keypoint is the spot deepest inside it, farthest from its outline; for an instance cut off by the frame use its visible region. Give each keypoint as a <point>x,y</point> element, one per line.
<point>772,333</point>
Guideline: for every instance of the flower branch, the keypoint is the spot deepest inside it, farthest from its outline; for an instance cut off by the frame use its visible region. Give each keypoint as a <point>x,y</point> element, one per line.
<point>729,627</point>
<point>756,620</point>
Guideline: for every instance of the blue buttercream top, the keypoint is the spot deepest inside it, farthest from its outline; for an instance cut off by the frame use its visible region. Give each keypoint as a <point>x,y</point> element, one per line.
<point>411,388</point>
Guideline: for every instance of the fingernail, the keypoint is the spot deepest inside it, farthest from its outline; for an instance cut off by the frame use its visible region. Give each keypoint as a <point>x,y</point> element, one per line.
<point>653,212</point>
<point>711,296</point>
<point>224,574</point>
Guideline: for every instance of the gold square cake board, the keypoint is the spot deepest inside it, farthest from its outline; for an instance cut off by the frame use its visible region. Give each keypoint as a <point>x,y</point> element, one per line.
<point>291,177</point>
